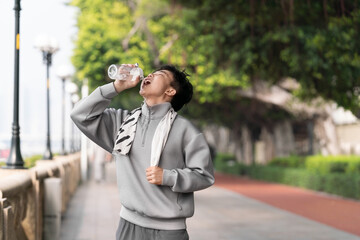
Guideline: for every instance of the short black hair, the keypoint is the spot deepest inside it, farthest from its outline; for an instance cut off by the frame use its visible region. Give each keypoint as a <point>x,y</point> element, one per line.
<point>182,85</point>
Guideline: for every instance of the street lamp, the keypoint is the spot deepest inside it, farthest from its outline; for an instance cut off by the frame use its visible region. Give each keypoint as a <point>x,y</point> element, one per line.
<point>48,46</point>
<point>15,160</point>
<point>72,89</point>
<point>64,72</point>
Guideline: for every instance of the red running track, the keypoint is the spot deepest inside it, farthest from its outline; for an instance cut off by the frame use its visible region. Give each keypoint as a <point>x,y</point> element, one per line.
<point>343,214</point>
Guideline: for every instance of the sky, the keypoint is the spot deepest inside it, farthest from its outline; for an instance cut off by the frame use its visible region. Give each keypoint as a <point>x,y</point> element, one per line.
<point>38,17</point>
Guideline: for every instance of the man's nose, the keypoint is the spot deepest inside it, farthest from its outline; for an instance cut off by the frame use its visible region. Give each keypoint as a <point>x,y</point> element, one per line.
<point>150,75</point>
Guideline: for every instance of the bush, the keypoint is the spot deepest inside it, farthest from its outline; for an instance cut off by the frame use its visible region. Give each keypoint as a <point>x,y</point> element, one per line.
<point>224,157</point>
<point>293,162</point>
<point>30,161</point>
<point>226,163</point>
<point>325,174</point>
<point>333,164</point>
<point>335,183</point>
<point>353,167</point>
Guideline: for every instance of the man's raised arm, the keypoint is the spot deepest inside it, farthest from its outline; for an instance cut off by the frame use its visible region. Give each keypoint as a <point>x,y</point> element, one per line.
<point>95,120</point>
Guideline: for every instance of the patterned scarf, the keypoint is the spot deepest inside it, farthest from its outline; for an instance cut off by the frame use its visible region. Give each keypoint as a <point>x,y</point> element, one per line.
<point>126,134</point>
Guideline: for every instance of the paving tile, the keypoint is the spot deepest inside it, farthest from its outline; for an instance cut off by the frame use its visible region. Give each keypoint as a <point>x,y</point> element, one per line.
<point>220,214</point>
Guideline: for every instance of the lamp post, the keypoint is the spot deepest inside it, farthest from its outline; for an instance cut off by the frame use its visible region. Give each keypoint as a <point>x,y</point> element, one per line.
<point>72,89</point>
<point>15,160</point>
<point>48,46</point>
<point>64,72</point>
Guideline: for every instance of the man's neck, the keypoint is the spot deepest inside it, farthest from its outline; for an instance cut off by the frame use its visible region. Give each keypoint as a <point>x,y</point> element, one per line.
<point>151,102</point>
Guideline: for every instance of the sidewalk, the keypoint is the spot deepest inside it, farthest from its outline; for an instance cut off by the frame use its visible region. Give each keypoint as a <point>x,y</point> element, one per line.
<point>222,212</point>
<point>337,212</point>
<point>93,211</point>
<point>224,215</point>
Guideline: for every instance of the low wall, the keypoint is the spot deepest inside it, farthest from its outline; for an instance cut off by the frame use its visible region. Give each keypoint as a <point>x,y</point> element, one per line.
<point>22,195</point>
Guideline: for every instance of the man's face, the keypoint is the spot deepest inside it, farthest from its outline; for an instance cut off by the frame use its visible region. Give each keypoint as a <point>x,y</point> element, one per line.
<point>156,84</point>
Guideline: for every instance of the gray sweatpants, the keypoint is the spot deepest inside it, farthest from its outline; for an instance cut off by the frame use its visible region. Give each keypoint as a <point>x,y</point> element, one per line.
<point>130,231</point>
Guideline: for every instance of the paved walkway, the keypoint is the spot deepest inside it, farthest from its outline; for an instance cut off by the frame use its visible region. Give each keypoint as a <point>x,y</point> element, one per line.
<point>93,211</point>
<point>222,212</point>
<point>337,212</point>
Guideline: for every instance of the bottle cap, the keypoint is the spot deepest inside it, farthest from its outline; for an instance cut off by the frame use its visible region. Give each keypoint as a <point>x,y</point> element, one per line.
<point>112,71</point>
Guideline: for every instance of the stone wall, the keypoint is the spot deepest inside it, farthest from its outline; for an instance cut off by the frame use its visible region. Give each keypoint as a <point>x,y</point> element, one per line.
<point>282,139</point>
<point>22,195</point>
<point>349,138</point>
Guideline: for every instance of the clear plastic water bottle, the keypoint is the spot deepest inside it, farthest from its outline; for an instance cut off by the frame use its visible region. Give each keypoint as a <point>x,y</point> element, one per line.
<point>123,72</point>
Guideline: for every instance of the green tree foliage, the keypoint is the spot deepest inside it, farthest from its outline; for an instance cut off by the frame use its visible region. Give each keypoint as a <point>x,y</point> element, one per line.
<point>314,42</point>
<point>102,27</point>
<point>226,45</point>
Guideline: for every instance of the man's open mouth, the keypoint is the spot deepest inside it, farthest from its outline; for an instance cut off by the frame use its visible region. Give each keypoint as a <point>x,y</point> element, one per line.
<point>146,82</point>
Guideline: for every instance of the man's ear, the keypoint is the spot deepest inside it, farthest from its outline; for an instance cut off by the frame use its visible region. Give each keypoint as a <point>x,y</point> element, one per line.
<point>170,92</point>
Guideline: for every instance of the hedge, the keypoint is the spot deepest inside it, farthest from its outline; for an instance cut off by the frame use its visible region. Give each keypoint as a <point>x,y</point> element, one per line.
<point>346,185</point>
<point>292,161</point>
<point>333,164</point>
<point>334,183</point>
<point>226,163</point>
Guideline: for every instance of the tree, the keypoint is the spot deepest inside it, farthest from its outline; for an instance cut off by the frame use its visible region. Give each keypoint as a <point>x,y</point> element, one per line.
<point>102,26</point>
<point>314,42</point>
<point>227,45</point>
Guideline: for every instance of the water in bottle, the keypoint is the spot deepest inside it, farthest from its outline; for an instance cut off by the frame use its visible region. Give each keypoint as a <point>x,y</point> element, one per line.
<point>123,72</point>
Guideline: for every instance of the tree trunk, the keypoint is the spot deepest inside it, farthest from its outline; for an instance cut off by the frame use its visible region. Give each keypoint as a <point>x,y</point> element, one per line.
<point>325,10</point>
<point>125,43</point>
<point>209,132</point>
<point>342,4</point>
<point>285,12</point>
<point>169,44</point>
<point>252,16</point>
<point>151,41</point>
<point>325,134</point>
<point>223,140</point>
<point>269,140</point>
<point>291,11</point>
<point>284,139</point>
<point>247,144</point>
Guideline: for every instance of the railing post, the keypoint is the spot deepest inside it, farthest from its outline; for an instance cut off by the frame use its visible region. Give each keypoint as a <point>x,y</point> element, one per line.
<point>52,210</point>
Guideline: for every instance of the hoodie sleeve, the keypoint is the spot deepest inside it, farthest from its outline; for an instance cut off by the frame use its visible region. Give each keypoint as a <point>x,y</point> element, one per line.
<point>198,173</point>
<point>97,122</point>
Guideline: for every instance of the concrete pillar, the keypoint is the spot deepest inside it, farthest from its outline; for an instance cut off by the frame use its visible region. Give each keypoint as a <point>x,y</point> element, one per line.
<point>52,208</point>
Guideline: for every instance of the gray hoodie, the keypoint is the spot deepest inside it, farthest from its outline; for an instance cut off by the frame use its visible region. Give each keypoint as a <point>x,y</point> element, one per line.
<point>185,159</point>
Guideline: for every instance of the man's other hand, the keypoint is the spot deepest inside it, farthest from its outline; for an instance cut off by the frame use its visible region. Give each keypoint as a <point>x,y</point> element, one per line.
<point>154,175</point>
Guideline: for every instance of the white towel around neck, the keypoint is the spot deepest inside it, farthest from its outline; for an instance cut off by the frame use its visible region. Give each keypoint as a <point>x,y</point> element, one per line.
<point>126,134</point>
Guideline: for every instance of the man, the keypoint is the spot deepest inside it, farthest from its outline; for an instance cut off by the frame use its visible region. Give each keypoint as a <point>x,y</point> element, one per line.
<point>161,158</point>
